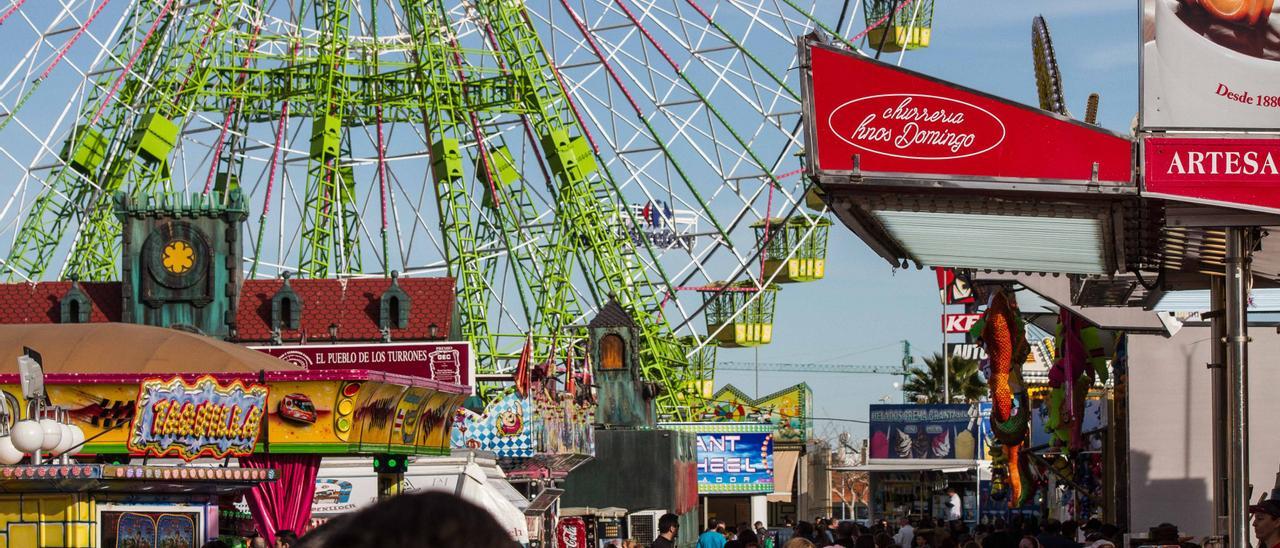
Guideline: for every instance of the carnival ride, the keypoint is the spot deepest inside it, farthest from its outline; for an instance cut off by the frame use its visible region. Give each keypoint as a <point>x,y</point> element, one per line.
<point>549,156</point>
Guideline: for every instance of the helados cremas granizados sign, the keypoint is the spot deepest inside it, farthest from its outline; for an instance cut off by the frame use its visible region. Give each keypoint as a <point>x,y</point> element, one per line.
<point>202,418</point>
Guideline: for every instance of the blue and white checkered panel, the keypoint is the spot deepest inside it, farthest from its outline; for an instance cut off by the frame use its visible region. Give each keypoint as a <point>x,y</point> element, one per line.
<point>506,428</point>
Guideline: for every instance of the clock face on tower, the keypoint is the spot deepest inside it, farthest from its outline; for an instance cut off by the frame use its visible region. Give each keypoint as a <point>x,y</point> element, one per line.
<point>176,255</point>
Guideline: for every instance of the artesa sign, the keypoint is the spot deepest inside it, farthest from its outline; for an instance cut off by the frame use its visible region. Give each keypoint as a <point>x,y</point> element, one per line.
<point>1242,173</point>
<point>904,123</point>
<point>204,418</point>
<point>451,362</point>
<point>959,323</point>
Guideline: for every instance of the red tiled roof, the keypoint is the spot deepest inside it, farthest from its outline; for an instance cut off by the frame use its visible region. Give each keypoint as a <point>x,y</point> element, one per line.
<point>40,302</point>
<point>352,304</point>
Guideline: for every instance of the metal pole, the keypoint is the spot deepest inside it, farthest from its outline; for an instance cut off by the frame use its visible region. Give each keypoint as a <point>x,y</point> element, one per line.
<point>1237,388</point>
<point>1217,374</point>
<point>946,360</point>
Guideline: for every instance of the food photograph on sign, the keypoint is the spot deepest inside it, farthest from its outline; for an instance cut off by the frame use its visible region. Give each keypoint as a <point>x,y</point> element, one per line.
<point>940,431</point>
<point>1208,64</point>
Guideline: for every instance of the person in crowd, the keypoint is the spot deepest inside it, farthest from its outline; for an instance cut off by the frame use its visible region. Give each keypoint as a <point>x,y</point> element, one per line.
<point>1070,531</point>
<point>799,542</point>
<point>1095,539</point>
<point>668,528</point>
<point>1028,541</point>
<point>883,540</point>
<point>953,504</point>
<point>398,523</point>
<point>971,544</point>
<point>1001,536</point>
<point>824,535</point>
<point>1112,533</point>
<point>921,541</point>
<point>906,534</point>
<point>845,534</point>
<point>1167,534</point>
<point>1051,536</point>
<point>761,531</point>
<point>1091,526</point>
<point>746,539</point>
<point>804,530</point>
<point>286,538</point>
<point>980,533</point>
<point>257,541</point>
<point>714,536</point>
<point>215,543</point>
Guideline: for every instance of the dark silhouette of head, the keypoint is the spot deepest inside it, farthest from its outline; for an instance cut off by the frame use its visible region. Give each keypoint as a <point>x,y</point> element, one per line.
<point>402,521</point>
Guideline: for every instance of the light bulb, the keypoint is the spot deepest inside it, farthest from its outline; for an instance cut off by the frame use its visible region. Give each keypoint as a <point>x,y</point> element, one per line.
<point>64,441</point>
<point>8,453</point>
<point>77,439</point>
<point>27,436</point>
<point>52,433</point>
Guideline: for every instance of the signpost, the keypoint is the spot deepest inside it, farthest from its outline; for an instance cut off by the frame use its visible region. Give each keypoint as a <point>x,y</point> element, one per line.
<point>959,323</point>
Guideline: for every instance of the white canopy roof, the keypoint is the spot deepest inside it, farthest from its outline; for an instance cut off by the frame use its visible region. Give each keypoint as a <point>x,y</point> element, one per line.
<point>346,484</point>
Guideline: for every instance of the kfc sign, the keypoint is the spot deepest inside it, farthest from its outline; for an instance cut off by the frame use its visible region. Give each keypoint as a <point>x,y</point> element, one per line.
<point>959,323</point>
<point>898,122</point>
<point>918,127</point>
<point>1239,173</point>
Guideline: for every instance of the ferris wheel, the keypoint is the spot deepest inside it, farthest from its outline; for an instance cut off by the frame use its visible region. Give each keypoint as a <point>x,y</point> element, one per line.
<point>551,155</point>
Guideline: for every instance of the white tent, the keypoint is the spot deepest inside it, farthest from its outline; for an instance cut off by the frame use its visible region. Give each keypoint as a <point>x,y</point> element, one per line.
<point>346,484</point>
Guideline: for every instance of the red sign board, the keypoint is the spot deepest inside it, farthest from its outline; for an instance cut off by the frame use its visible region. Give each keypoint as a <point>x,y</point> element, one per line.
<point>959,323</point>
<point>450,362</point>
<point>1243,173</point>
<point>902,122</point>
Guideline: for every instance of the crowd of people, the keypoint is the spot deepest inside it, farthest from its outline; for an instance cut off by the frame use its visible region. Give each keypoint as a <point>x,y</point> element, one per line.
<point>923,533</point>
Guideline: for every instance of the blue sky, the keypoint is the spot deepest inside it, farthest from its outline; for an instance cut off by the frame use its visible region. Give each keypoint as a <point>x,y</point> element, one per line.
<point>863,303</point>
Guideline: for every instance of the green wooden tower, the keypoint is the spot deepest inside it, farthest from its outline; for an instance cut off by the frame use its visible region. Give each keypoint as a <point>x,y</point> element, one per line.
<point>181,259</point>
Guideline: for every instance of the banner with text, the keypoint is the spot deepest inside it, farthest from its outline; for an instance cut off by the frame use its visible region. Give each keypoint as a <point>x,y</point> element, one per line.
<point>934,431</point>
<point>894,121</point>
<point>732,457</point>
<point>1241,173</point>
<point>202,418</point>
<point>451,362</point>
<point>1210,65</point>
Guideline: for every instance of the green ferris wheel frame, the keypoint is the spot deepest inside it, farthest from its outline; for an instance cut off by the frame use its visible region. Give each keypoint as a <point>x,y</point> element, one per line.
<point>535,133</point>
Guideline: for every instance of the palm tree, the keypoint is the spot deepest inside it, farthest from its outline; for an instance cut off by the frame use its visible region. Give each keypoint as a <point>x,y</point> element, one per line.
<point>966,383</point>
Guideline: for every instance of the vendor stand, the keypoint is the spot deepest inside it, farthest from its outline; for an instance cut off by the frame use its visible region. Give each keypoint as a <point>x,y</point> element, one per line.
<point>141,392</point>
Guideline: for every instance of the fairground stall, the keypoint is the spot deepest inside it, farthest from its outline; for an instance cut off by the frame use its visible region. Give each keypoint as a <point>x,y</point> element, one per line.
<point>139,393</point>
<point>917,452</point>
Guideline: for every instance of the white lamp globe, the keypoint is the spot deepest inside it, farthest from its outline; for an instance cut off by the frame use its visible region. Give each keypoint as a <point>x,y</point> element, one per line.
<point>77,439</point>
<point>52,433</point>
<point>27,436</point>
<point>65,442</point>
<point>8,453</point>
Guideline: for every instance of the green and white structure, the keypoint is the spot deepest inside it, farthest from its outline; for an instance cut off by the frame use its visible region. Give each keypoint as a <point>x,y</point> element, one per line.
<point>548,154</point>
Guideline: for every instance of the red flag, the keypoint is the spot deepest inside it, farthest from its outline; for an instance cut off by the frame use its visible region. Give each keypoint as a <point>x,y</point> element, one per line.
<point>570,385</point>
<point>522,367</point>
<point>953,287</point>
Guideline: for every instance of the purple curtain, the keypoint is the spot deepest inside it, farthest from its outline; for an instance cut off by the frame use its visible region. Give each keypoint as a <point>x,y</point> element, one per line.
<point>286,502</point>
